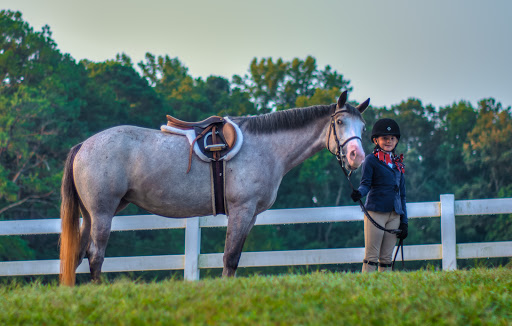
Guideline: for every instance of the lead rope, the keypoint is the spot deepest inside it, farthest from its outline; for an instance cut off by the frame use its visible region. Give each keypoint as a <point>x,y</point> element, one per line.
<point>377,225</point>
<point>339,157</point>
<point>400,246</point>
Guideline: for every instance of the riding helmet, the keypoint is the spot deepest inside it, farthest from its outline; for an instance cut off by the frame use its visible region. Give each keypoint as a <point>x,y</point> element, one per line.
<point>384,127</point>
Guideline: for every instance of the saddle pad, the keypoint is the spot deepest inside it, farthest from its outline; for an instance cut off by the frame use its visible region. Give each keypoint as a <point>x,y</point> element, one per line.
<point>191,135</point>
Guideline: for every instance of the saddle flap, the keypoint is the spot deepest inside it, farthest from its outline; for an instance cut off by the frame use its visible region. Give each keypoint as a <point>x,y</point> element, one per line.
<point>229,132</point>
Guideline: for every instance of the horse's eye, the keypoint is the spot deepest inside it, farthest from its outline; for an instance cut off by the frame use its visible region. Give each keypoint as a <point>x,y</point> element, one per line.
<point>339,121</point>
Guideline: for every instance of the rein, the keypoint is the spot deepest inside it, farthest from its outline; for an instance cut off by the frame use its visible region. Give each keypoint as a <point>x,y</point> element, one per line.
<point>340,155</point>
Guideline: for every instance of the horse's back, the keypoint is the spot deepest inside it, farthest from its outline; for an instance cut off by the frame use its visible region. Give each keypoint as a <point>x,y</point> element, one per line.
<point>123,147</point>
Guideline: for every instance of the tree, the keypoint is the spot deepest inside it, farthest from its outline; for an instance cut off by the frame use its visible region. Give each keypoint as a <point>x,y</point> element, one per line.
<point>277,86</point>
<point>40,98</point>
<point>193,99</point>
<point>417,143</point>
<point>48,103</point>
<point>265,82</point>
<point>488,149</point>
<point>117,94</point>
<point>225,100</point>
<point>455,123</point>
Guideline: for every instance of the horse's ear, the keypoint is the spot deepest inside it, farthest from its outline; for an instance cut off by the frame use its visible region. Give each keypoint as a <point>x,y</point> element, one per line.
<point>361,107</point>
<point>341,100</point>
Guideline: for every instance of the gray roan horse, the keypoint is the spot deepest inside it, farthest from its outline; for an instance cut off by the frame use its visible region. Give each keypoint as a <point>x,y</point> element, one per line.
<point>146,167</point>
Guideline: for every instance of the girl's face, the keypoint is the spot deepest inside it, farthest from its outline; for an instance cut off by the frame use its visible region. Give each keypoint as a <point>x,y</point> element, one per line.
<point>387,143</point>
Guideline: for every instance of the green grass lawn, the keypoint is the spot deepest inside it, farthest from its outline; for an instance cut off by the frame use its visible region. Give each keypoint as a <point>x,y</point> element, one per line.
<point>466,297</point>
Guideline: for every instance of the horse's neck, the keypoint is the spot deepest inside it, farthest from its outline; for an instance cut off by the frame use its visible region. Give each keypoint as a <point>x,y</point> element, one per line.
<point>293,147</point>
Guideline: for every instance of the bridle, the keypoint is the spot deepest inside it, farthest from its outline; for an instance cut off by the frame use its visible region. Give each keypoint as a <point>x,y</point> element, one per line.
<point>340,152</point>
<point>340,156</point>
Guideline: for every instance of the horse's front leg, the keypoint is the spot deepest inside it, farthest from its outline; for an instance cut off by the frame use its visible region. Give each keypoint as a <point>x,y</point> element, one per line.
<point>240,223</point>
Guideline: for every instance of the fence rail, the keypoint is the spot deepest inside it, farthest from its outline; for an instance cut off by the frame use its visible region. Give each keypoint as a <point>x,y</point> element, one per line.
<point>192,261</point>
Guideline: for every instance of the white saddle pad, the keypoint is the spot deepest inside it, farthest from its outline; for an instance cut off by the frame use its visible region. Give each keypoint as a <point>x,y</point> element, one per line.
<point>191,135</point>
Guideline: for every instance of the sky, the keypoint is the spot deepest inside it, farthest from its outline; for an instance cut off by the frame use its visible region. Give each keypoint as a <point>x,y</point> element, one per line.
<point>438,51</point>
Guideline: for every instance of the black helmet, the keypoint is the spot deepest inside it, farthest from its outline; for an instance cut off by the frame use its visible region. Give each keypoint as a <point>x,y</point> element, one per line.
<point>385,127</point>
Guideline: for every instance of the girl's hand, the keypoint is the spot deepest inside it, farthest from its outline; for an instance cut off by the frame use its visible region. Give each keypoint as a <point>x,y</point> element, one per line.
<point>405,231</point>
<point>355,195</point>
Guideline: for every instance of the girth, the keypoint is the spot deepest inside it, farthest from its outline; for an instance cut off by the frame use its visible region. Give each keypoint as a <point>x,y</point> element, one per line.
<point>218,168</point>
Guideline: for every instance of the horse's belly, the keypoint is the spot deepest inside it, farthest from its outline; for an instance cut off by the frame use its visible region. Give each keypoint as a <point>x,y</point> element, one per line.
<point>170,191</point>
<point>173,204</point>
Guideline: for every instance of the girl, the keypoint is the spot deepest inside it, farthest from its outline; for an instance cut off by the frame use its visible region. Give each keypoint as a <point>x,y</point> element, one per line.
<point>383,181</point>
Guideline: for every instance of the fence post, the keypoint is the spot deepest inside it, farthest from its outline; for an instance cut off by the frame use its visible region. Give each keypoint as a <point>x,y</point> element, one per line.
<point>192,249</point>
<point>448,236</point>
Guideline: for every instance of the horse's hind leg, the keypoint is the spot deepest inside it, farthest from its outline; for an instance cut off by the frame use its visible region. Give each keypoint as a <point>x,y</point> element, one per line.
<point>239,225</point>
<point>96,227</point>
<point>85,233</point>
<point>100,232</point>
<point>85,230</point>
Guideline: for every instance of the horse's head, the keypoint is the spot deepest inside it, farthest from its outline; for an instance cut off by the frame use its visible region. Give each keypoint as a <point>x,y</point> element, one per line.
<point>345,130</point>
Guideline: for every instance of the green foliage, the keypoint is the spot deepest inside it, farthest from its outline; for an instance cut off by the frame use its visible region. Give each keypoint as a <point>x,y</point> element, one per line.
<point>15,248</point>
<point>49,102</point>
<point>488,148</point>
<point>40,96</point>
<point>119,96</point>
<point>146,243</point>
<point>278,85</point>
<point>192,99</point>
<point>475,297</point>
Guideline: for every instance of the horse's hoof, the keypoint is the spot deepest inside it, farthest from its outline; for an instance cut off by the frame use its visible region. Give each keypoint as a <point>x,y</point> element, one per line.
<point>228,274</point>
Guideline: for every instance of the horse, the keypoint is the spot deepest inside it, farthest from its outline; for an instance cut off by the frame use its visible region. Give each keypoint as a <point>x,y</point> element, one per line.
<point>147,167</point>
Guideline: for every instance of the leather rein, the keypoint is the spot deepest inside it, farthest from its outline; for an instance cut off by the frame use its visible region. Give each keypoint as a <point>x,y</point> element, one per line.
<point>340,156</point>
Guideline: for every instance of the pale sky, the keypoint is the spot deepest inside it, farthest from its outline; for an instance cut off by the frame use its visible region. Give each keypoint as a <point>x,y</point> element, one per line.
<point>439,51</point>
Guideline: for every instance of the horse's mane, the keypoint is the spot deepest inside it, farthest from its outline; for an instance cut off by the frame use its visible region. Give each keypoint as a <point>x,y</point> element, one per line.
<point>287,119</point>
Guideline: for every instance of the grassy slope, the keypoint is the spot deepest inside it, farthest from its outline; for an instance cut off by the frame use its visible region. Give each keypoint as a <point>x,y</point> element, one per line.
<point>474,297</point>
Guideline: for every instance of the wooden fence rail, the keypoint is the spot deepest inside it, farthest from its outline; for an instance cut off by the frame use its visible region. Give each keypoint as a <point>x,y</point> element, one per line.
<point>193,261</point>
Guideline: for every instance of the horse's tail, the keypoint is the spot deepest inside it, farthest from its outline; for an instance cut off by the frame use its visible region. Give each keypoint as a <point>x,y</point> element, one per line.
<point>70,222</point>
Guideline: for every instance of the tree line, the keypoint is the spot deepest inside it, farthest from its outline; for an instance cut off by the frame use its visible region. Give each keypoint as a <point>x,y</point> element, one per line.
<point>50,102</point>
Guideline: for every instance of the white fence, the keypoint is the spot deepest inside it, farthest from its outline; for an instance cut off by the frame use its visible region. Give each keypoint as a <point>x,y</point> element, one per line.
<point>192,261</point>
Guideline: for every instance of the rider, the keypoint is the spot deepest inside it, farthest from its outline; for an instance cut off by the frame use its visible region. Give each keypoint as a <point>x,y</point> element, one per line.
<point>383,181</point>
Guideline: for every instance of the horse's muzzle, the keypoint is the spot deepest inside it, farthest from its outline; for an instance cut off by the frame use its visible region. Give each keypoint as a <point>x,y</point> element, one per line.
<point>354,157</point>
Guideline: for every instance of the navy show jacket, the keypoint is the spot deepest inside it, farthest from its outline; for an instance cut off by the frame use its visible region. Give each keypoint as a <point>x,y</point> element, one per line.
<point>384,187</point>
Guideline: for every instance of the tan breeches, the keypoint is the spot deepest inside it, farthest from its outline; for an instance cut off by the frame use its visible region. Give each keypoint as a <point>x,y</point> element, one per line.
<point>379,245</point>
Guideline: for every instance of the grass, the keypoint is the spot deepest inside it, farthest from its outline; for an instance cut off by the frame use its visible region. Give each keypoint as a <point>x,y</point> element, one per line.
<point>465,297</point>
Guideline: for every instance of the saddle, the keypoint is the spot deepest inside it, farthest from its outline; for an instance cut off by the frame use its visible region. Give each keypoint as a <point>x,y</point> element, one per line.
<point>214,136</point>
<point>215,140</point>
